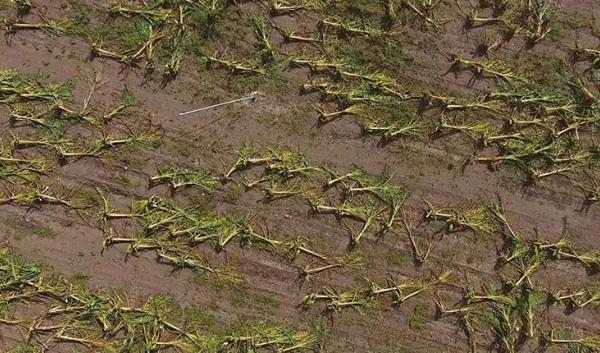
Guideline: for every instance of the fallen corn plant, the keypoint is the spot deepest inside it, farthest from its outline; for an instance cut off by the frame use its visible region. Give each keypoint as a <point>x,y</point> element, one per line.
<point>68,149</point>
<point>518,152</point>
<point>247,156</point>
<point>587,344</point>
<point>290,36</point>
<point>446,126</point>
<point>349,27</point>
<point>172,232</point>
<point>447,103</point>
<point>478,218</point>
<point>51,27</point>
<point>364,297</point>
<point>17,87</point>
<point>395,126</point>
<point>493,69</point>
<point>285,7</point>
<point>587,54</point>
<point>178,178</point>
<point>423,10</point>
<point>263,34</point>
<point>262,337</point>
<point>69,315</point>
<point>280,166</point>
<point>474,20</point>
<point>541,19</point>
<point>591,190</point>
<point>37,195</point>
<point>576,299</point>
<point>368,213</point>
<point>419,255</point>
<point>516,313</point>
<point>242,67</point>
<point>357,181</point>
<point>285,164</point>
<point>349,262</point>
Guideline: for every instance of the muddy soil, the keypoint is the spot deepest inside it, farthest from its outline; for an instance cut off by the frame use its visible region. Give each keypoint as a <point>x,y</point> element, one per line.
<point>430,170</point>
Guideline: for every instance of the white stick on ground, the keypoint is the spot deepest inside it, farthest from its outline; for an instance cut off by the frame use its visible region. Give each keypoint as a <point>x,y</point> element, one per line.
<point>251,97</point>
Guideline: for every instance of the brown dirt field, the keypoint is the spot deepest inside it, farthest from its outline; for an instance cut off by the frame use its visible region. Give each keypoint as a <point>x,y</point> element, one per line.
<point>430,170</point>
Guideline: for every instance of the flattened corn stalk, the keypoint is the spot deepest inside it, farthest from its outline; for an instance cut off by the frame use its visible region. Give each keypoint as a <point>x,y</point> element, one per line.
<point>53,28</point>
<point>542,14</point>
<point>16,87</point>
<point>236,66</point>
<point>365,92</point>
<point>357,181</point>
<point>358,298</point>
<point>40,195</point>
<point>536,176</point>
<point>263,34</point>
<point>576,299</point>
<point>473,20</point>
<point>181,177</point>
<point>71,315</point>
<point>290,36</point>
<point>156,16</point>
<point>275,338</point>
<point>419,255</point>
<point>589,343</point>
<point>284,7</point>
<point>475,130</point>
<point>368,215</point>
<point>172,231</point>
<point>514,312</point>
<point>338,68</point>
<point>397,126</point>
<point>587,54</point>
<point>326,117</point>
<point>281,165</point>
<point>289,249</point>
<point>67,148</point>
<point>351,27</point>
<point>480,69</point>
<point>423,9</point>
<point>247,156</point>
<point>478,218</point>
<point>353,262</point>
<point>518,151</point>
<point>456,104</point>
<point>10,164</point>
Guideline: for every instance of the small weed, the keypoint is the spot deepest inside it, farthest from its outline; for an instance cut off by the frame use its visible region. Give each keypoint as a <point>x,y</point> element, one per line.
<point>394,259</point>
<point>266,302</point>
<point>199,318</point>
<point>575,22</point>
<point>235,192</point>
<point>240,298</point>
<point>122,179</point>
<point>419,317</point>
<point>20,230</point>
<point>87,196</point>
<point>80,278</point>
<point>218,283</point>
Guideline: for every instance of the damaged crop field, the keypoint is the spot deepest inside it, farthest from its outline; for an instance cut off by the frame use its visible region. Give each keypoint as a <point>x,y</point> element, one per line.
<point>378,176</point>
